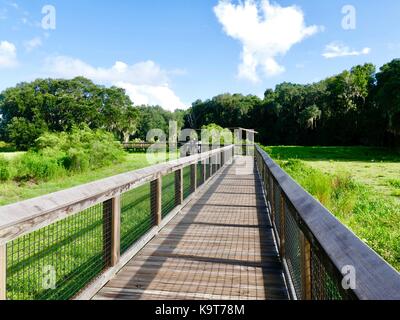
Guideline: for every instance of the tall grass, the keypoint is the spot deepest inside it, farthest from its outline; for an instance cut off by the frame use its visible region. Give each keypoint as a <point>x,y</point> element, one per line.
<point>375,219</point>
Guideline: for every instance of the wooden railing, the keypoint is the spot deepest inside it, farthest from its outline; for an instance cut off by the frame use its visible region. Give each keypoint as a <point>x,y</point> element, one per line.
<point>70,243</point>
<point>323,260</point>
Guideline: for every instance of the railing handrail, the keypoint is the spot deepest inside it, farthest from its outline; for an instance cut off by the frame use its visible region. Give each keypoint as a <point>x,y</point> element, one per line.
<point>30,215</point>
<point>375,278</point>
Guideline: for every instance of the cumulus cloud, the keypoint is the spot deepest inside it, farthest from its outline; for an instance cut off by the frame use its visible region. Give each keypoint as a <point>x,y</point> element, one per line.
<point>33,44</point>
<point>8,55</point>
<point>336,49</point>
<point>145,82</point>
<point>265,31</point>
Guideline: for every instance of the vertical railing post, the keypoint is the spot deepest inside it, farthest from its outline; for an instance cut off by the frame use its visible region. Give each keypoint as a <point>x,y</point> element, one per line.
<point>222,158</point>
<point>178,187</point>
<point>116,231</point>
<point>3,272</point>
<point>305,267</point>
<point>155,196</point>
<point>193,177</point>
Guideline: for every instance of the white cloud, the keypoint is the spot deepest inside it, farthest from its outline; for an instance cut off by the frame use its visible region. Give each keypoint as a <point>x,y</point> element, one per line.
<point>145,82</point>
<point>152,95</point>
<point>8,55</point>
<point>265,30</point>
<point>33,44</point>
<point>336,49</point>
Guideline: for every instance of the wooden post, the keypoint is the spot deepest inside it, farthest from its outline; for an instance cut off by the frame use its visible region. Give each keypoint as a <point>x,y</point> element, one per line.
<point>178,187</point>
<point>305,267</point>
<point>3,272</point>
<point>116,231</point>
<point>193,177</point>
<point>222,158</point>
<point>204,171</point>
<point>155,192</point>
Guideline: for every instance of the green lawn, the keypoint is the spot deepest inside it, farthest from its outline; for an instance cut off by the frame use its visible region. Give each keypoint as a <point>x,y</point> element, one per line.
<point>361,186</point>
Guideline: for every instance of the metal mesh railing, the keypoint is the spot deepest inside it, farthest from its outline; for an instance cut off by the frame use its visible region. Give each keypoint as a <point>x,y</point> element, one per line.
<point>186,182</point>
<point>308,273</point>
<point>200,174</point>
<point>168,194</point>
<point>292,250</point>
<point>323,286</point>
<point>136,217</point>
<point>277,207</point>
<point>208,169</point>
<point>57,261</point>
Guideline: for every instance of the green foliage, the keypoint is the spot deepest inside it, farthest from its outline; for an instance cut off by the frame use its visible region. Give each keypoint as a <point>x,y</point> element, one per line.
<point>30,109</point>
<point>155,117</point>
<point>217,134</point>
<point>355,107</point>
<point>34,166</point>
<point>6,147</point>
<point>5,173</point>
<point>57,154</point>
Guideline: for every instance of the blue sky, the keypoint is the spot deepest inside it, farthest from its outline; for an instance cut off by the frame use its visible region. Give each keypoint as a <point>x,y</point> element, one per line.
<point>174,52</point>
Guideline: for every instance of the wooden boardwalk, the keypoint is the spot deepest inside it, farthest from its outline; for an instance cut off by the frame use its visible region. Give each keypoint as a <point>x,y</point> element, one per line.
<point>220,246</point>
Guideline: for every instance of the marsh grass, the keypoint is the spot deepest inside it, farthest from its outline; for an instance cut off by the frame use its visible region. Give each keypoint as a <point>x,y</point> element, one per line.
<point>374,217</point>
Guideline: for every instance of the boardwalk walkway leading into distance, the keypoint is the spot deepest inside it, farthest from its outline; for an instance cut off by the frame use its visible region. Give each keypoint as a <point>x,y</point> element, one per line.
<point>220,246</point>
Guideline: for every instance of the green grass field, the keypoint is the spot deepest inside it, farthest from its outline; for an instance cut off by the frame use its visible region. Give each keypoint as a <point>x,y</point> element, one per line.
<point>361,186</point>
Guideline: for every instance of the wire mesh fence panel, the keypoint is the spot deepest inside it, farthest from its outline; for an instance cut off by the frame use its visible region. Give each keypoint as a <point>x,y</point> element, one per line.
<point>323,286</point>
<point>186,182</point>
<point>136,218</point>
<point>200,176</point>
<point>208,169</point>
<point>293,250</point>
<point>277,206</point>
<point>57,261</point>
<point>168,194</point>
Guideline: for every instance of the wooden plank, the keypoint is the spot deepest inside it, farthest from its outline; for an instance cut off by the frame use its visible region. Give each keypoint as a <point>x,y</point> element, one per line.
<point>305,266</point>
<point>116,231</point>
<point>33,214</point>
<point>3,272</point>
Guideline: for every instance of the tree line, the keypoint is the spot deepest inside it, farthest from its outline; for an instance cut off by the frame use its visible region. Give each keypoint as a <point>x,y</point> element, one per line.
<point>356,107</point>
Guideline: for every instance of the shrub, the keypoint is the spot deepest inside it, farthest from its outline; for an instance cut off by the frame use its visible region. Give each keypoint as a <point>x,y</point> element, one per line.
<point>5,172</point>
<point>81,149</point>
<point>6,147</point>
<point>33,165</point>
